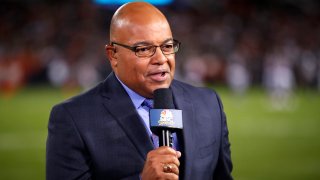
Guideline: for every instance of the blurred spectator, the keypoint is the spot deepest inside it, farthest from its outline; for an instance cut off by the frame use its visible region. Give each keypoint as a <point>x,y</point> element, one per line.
<point>278,78</point>
<point>238,77</point>
<point>11,77</point>
<point>58,72</point>
<point>308,67</point>
<point>318,74</point>
<point>195,70</point>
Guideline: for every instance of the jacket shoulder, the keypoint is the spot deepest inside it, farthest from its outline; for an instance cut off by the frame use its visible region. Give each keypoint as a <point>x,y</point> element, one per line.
<point>193,90</point>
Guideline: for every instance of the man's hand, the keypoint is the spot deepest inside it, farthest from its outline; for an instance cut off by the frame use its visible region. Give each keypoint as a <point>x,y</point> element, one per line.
<point>154,167</point>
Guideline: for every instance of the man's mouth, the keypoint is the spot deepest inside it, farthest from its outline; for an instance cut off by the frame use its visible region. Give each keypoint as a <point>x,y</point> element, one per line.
<point>159,76</point>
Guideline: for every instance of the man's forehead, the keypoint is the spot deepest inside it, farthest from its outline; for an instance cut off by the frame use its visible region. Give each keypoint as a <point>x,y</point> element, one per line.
<point>154,32</point>
<point>137,16</point>
<point>139,19</point>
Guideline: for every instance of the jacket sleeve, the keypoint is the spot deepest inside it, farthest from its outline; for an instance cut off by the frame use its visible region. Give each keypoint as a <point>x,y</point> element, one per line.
<point>66,155</point>
<point>224,166</point>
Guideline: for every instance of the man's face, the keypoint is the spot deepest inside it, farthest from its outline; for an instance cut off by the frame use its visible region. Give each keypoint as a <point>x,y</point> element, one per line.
<point>144,74</point>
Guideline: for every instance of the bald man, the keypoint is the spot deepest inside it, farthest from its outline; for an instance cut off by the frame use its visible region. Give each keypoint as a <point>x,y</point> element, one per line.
<point>104,133</point>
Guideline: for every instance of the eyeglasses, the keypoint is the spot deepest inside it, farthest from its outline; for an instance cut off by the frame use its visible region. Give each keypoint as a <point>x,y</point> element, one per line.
<point>149,50</point>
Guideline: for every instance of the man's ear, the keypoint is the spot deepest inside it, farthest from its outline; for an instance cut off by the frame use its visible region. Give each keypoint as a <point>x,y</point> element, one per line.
<point>111,54</point>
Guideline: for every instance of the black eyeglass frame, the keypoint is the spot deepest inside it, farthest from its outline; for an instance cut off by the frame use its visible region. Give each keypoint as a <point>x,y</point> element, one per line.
<point>134,48</point>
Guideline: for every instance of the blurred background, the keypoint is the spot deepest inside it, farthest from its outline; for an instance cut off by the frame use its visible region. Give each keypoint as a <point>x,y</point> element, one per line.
<point>261,56</point>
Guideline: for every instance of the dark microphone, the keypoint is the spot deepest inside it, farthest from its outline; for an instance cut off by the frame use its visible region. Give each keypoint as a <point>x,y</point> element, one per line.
<point>164,118</point>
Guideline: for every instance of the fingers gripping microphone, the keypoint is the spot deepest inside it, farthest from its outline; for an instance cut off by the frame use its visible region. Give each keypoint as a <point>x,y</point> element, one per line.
<point>164,118</point>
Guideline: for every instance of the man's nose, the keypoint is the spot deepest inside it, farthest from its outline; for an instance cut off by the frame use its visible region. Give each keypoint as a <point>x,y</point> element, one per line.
<point>159,57</point>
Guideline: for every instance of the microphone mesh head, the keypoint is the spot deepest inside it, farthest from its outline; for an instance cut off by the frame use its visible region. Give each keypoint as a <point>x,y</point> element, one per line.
<point>163,99</point>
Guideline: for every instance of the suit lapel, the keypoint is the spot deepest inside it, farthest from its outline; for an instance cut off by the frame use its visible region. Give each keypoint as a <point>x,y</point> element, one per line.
<point>119,104</point>
<point>182,102</point>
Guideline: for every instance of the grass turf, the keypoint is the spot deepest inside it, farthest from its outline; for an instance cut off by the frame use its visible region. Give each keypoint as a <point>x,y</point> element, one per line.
<point>266,143</point>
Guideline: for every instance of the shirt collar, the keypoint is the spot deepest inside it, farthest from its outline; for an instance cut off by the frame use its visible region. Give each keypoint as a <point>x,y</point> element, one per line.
<point>135,98</point>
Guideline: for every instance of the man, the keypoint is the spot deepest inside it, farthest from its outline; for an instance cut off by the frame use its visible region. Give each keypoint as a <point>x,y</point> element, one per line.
<point>104,133</point>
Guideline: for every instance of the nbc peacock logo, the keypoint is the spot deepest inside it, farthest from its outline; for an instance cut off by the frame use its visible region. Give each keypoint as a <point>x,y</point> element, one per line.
<point>166,118</point>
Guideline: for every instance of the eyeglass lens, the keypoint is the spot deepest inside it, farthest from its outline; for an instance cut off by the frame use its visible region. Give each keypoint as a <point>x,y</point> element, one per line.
<point>167,49</point>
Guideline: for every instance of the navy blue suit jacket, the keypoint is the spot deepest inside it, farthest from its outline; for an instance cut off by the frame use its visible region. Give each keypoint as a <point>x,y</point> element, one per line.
<point>99,135</point>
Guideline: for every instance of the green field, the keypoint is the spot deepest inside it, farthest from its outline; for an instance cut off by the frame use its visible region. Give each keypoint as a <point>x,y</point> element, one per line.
<point>266,143</point>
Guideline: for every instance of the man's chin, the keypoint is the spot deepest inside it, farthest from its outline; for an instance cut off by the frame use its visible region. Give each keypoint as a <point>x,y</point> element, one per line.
<point>152,86</point>
<point>161,85</point>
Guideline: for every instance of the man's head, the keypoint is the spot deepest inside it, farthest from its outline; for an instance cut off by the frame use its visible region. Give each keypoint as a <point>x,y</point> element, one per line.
<point>141,25</point>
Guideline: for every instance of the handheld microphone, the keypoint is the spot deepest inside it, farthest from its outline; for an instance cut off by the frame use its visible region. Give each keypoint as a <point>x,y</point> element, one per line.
<point>164,118</point>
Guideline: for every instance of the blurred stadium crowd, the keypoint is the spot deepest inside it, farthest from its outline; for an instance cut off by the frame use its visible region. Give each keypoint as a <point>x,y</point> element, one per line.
<point>238,43</point>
